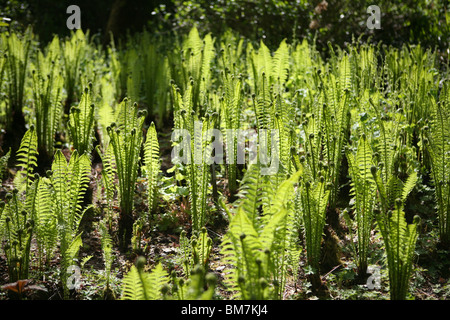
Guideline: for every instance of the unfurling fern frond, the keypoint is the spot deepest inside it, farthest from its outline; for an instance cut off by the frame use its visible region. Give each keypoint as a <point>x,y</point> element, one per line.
<point>47,96</point>
<point>17,228</point>
<point>400,240</point>
<point>311,203</point>
<point>70,182</point>
<point>364,192</point>
<point>259,256</point>
<point>438,149</point>
<point>141,285</point>
<point>126,141</point>
<point>81,124</point>
<point>27,159</point>
<point>152,166</point>
<point>45,220</point>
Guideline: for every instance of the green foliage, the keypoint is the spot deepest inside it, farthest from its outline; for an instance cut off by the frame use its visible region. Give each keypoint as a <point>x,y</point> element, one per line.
<point>108,178</point>
<point>400,241</point>
<point>152,166</point>
<point>364,194</point>
<point>141,285</point>
<point>70,181</point>
<point>192,71</point>
<point>81,123</point>
<point>73,54</point>
<point>364,125</point>
<point>47,96</point>
<point>438,148</point>
<point>311,202</point>
<point>195,251</point>
<point>18,228</point>
<point>18,53</point>
<point>126,139</point>
<point>44,217</point>
<point>199,286</point>
<point>196,148</point>
<point>260,256</point>
<point>27,159</point>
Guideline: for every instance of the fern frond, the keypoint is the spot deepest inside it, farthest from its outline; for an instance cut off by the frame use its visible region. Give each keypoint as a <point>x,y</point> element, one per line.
<point>27,156</point>
<point>152,165</point>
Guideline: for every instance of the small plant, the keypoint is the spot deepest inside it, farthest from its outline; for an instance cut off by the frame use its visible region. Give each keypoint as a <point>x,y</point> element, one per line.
<point>151,167</point>
<point>438,148</point>
<point>126,141</point>
<point>364,192</point>
<point>108,180</point>
<point>400,240</point>
<point>260,255</point>
<point>311,203</point>
<point>73,55</point>
<point>141,285</point>
<point>47,97</point>
<point>195,251</point>
<point>70,181</point>
<point>18,51</point>
<point>27,160</point>
<point>18,226</point>
<point>81,123</point>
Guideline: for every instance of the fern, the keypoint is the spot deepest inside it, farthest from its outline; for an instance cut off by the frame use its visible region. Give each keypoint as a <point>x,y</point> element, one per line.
<point>26,158</point>
<point>47,96</point>
<point>73,55</point>
<point>18,52</point>
<point>126,140</point>
<point>69,182</point>
<point>259,256</point>
<point>199,286</point>
<point>230,119</point>
<point>45,221</point>
<point>364,192</point>
<point>195,251</point>
<point>141,285</point>
<point>108,178</point>
<point>152,166</point>
<point>311,203</point>
<point>438,149</point>
<point>81,124</point>
<point>399,240</point>
<point>18,232</point>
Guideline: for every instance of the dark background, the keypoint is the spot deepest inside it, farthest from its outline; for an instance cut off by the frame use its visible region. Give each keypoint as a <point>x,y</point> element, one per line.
<point>405,21</point>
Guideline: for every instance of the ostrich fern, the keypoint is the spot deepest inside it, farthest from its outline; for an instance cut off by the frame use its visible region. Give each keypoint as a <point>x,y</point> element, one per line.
<point>152,166</point>
<point>81,124</point>
<point>126,140</point>
<point>400,240</point>
<point>438,148</point>
<point>364,192</point>
<point>47,97</point>
<point>260,256</point>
